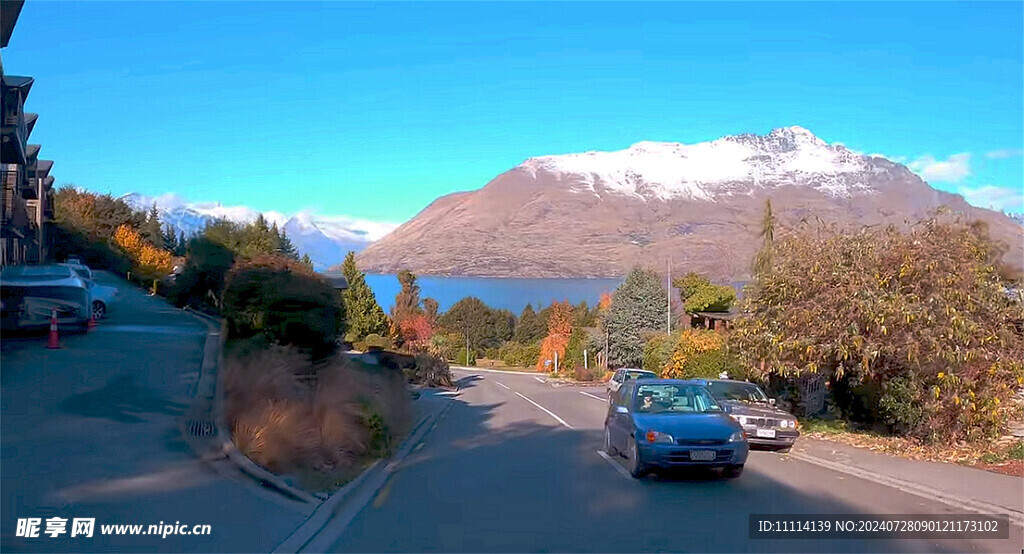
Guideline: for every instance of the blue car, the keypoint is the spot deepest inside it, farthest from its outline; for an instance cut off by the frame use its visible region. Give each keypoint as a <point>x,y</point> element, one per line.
<point>671,423</point>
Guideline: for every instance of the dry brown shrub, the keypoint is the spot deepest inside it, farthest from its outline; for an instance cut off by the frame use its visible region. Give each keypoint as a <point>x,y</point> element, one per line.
<point>291,416</point>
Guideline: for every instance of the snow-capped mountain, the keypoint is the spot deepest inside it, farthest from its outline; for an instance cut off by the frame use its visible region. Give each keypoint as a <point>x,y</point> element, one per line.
<point>704,171</point>
<point>325,238</point>
<point>597,214</point>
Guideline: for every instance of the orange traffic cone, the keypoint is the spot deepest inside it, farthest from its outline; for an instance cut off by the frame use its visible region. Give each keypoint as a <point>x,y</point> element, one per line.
<point>54,341</point>
<point>91,324</point>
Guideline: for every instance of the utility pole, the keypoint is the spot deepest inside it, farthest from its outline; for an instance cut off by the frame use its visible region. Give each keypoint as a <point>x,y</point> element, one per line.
<point>585,367</point>
<point>606,346</point>
<point>668,323</point>
<point>467,345</point>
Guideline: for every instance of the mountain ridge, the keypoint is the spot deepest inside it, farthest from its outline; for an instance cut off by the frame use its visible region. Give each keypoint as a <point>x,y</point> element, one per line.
<point>597,214</point>
<point>326,239</point>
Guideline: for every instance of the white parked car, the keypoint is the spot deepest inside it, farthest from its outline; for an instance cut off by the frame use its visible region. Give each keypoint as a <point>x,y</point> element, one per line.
<point>625,374</point>
<point>103,297</point>
<point>29,294</point>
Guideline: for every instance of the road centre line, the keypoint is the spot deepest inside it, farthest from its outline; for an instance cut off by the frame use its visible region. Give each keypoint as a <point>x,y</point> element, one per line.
<point>502,386</point>
<point>594,396</point>
<point>549,412</point>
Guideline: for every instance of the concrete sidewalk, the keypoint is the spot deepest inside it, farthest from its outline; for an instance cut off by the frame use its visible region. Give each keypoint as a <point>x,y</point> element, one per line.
<point>954,484</point>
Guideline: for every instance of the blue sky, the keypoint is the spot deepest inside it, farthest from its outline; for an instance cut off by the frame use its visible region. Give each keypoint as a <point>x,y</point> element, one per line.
<point>374,110</point>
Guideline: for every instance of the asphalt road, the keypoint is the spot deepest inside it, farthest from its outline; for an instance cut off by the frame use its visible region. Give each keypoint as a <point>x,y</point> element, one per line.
<point>513,466</point>
<point>95,430</point>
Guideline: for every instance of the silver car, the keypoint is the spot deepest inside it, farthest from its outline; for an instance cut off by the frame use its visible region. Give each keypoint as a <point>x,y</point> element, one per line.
<point>625,374</point>
<point>30,295</point>
<point>103,297</point>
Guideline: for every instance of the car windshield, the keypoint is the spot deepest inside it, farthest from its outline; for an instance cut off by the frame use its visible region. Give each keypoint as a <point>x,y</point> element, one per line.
<point>661,398</point>
<point>744,392</point>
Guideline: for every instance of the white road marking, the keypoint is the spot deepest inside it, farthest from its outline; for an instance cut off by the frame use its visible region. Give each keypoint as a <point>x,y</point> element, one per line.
<point>621,470</point>
<point>539,380</point>
<point>471,369</point>
<point>502,386</point>
<point>594,396</point>
<point>1016,517</point>
<point>549,412</point>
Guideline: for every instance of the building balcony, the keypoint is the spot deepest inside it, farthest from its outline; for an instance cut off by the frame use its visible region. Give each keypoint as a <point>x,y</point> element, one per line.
<point>15,128</point>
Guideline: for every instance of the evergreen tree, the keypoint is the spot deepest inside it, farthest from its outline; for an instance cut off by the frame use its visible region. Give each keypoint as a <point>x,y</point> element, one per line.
<point>151,230</point>
<point>430,307</point>
<point>182,244</point>
<point>364,315</point>
<point>307,261</point>
<point>763,259</point>
<point>286,248</point>
<point>531,327</point>
<point>639,305</point>
<point>407,302</point>
<point>170,239</point>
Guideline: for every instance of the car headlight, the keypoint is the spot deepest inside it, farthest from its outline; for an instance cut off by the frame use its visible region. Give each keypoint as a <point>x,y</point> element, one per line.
<point>790,423</point>
<point>738,436</point>
<point>659,437</point>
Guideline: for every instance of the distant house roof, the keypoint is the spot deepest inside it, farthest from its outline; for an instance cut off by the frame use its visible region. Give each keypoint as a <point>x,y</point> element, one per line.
<point>723,316</point>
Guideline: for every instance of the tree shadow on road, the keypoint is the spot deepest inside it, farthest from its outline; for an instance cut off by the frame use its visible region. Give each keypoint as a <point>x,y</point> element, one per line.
<point>121,399</point>
<point>500,481</point>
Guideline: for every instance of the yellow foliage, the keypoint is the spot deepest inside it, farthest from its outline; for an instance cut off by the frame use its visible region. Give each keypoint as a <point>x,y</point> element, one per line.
<point>691,344</point>
<point>148,260</point>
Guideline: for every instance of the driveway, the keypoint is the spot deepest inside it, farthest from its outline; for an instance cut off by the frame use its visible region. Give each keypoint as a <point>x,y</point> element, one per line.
<point>95,430</point>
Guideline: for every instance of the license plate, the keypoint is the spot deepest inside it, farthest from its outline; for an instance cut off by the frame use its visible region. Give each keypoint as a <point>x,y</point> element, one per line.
<point>766,433</point>
<point>702,455</point>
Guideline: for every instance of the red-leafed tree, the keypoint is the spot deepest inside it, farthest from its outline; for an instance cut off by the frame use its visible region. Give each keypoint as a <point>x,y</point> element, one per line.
<point>559,331</point>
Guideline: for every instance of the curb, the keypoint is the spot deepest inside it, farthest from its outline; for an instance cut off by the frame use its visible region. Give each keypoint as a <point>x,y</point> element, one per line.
<point>1016,517</point>
<point>375,476</point>
<point>227,446</point>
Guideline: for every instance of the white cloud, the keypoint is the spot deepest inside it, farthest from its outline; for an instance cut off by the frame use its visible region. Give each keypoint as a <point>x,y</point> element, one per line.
<point>994,197</point>
<point>1005,153</point>
<point>950,170</point>
<point>895,159</point>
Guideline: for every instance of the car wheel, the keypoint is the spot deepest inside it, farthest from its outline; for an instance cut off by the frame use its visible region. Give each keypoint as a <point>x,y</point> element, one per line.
<point>99,310</point>
<point>636,464</point>
<point>732,472</point>
<point>608,448</point>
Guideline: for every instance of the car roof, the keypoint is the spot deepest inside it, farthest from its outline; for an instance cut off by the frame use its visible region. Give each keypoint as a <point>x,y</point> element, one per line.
<point>660,381</point>
<point>72,281</point>
<point>47,272</point>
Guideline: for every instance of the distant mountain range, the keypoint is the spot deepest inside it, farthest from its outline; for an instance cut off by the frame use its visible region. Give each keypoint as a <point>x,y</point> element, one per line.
<point>597,214</point>
<point>326,239</point>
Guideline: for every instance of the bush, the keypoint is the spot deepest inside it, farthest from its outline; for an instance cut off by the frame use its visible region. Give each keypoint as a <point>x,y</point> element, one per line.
<point>461,357</point>
<point>291,424</point>
<point>431,371</point>
<point>373,341</point>
<point>282,300</point>
<point>518,354</point>
<point>697,353</point>
<point>445,345</point>
<point>658,351</point>
<point>913,329</point>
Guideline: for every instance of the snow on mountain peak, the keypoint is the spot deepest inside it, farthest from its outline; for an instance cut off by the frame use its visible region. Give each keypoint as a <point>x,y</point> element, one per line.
<point>325,238</point>
<point>705,170</point>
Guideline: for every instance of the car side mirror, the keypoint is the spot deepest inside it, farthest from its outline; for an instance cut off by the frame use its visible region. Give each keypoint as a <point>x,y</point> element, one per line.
<point>621,410</point>
<point>771,401</point>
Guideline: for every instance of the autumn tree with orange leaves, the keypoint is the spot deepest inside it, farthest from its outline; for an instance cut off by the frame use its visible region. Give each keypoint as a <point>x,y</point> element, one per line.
<point>149,261</point>
<point>559,331</point>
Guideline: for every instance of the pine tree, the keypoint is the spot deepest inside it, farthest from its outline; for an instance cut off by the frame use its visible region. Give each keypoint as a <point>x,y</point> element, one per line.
<point>182,244</point>
<point>286,248</point>
<point>151,230</point>
<point>170,239</point>
<point>364,315</point>
<point>531,327</point>
<point>307,261</point>
<point>763,259</point>
<point>639,305</point>
<point>407,302</point>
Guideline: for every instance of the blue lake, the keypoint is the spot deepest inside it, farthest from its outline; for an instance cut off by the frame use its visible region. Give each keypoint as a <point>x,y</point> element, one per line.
<point>497,292</point>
